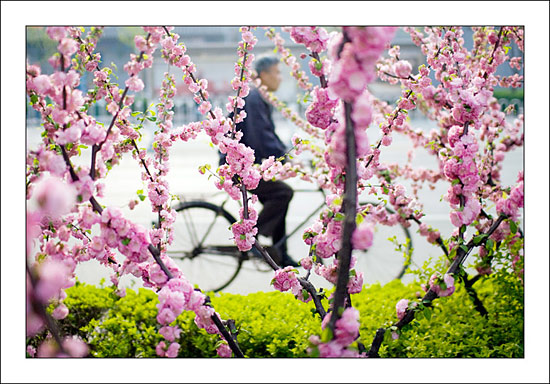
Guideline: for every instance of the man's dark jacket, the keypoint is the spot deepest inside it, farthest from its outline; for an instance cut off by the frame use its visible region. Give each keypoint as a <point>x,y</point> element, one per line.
<point>258,129</point>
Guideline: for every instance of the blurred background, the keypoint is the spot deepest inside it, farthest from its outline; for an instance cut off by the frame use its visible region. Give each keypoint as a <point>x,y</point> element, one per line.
<point>213,50</point>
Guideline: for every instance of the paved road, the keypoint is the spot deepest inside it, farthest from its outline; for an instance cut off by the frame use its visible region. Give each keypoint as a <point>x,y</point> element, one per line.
<point>124,180</point>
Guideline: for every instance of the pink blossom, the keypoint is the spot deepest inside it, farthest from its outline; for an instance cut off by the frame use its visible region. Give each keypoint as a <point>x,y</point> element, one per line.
<point>60,312</point>
<point>75,347</point>
<point>42,84</point>
<point>166,316</point>
<point>54,197</point>
<point>363,236</point>
<point>402,69</point>
<point>347,326</point>
<point>362,111</point>
<point>442,286</point>
<point>401,308</point>
<point>134,83</point>
<point>224,350</point>
<point>53,276</point>
<point>172,350</point>
<point>57,33</point>
<point>355,283</point>
<point>31,350</point>
<point>170,333</point>
<point>306,263</point>
<point>67,46</point>
<point>160,349</point>
<point>284,279</point>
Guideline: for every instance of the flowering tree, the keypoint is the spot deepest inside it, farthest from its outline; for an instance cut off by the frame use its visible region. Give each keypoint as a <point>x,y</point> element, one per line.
<point>454,89</point>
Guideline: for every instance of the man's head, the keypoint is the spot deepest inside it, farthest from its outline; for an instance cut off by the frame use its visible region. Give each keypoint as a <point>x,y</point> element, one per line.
<point>267,68</point>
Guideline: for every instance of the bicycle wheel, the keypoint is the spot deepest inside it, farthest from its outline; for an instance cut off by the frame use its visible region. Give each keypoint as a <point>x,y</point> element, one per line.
<point>382,263</point>
<point>203,246</point>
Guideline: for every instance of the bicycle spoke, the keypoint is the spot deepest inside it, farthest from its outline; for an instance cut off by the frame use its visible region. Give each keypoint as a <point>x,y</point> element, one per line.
<point>190,227</point>
<point>208,258</point>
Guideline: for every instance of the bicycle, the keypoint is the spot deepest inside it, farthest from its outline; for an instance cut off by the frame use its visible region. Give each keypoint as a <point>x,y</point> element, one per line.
<point>204,248</point>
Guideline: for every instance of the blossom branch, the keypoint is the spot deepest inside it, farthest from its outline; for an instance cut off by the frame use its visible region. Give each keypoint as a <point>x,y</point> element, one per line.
<point>97,147</point>
<point>431,295</point>
<point>349,205</point>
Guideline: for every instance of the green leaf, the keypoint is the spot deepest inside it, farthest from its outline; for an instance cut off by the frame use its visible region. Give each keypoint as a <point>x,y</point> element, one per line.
<point>34,99</point>
<point>479,238</point>
<point>387,336</point>
<point>428,314</point>
<point>513,226</point>
<point>464,248</point>
<point>339,216</point>
<point>141,197</point>
<point>326,335</point>
<point>242,237</point>
<point>455,181</point>
<point>126,241</point>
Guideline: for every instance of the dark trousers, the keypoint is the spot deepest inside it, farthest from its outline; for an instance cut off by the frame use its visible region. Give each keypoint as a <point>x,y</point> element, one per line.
<point>275,197</point>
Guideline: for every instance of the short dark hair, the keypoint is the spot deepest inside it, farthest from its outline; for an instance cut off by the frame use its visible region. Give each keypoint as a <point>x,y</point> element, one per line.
<point>264,62</point>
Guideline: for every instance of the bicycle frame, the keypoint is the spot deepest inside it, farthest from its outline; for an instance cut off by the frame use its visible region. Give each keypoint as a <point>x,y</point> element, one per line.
<point>299,225</point>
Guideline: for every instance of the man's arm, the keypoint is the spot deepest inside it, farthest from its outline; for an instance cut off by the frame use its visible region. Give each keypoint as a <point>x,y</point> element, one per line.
<point>258,130</point>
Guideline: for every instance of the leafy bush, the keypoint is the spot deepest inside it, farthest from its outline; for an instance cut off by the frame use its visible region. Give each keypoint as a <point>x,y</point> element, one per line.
<point>275,324</point>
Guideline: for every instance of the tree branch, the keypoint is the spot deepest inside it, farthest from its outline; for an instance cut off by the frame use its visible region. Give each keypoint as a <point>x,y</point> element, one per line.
<point>349,204</point>
<point>431,295</point>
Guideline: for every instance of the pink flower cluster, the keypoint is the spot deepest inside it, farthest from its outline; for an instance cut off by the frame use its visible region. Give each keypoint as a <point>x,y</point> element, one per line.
<point>176,296</point>
<point>314,38</point>
<point>405,206</point>
<point>403,306</point>
<point>321,110</point>
<point>285,279</point>
<point>442,286</point>
<point>54,197</point>
<point>345,333</point>
<point>431,234</point>
<point>67,45</point>
<point>244,232</point>
<point>89,60</point>
<point>72,345</point>
<point>510,205</point>
<point>174,53</point>
<point>461,170</point>
<point>363,236</point>
<point>276,170</point>
<point>243,74</point>
<point>355,67</point>
<point>132,240</point>
<point>328,243</point>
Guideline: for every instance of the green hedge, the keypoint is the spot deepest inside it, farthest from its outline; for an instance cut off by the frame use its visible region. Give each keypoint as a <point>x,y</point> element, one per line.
<point>275,324</point>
